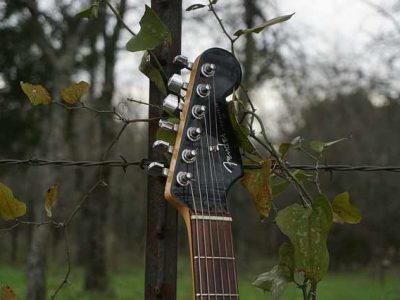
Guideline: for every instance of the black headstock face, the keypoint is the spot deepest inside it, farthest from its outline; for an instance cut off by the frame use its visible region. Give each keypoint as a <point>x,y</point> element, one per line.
<point>206,159</point>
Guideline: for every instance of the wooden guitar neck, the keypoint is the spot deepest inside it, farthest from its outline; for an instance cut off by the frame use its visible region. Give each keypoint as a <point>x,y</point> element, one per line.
<point>213,260</point>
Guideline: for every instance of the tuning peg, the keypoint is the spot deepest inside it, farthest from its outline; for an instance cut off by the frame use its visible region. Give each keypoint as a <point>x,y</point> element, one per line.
<point>208,69</point>
<point>168,125</point>
<point>172,103</point>
<point>157,169</point>
<point>176,84</point>
<point>203,89</point>
<point>182,61</point>
<point>159,144</point>
<point>184,178</point>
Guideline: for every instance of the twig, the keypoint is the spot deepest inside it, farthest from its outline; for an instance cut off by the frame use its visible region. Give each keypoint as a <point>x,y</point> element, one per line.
<point>145,103</point>
<point>68,254</point>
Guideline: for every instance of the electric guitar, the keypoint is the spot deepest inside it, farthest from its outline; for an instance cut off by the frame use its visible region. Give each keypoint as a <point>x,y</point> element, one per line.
<point>205,162</point>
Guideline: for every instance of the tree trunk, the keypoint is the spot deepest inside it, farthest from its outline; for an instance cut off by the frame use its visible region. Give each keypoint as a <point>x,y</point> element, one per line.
<point>161,245</point>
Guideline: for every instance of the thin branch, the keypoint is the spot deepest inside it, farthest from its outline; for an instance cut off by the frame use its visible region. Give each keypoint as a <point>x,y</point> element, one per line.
<point>68,254</point>
<point>121,20</point>
<point>145,103</point>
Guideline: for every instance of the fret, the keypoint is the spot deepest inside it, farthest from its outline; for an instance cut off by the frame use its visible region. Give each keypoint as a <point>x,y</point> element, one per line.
<point>213,257</point>
<point>208,217</point>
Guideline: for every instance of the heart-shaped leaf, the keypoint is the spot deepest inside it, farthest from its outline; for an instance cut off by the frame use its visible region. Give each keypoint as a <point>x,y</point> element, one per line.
<point>261,27</point>
<point>344,211</point>
<point>10,207</point>
<point>276,280</point>
<point>50,199</point>
<point>37,94</point>
<point>91,12</point>
<point>307,229</point>
<point>7,293</point>
<point>152,33</point>
<point>74,92</point>
<point>153,73</point>
<point>242,132</point>
<point>257,183</point>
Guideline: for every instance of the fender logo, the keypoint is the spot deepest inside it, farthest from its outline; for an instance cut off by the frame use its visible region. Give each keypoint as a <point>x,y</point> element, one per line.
<point>228,163</point>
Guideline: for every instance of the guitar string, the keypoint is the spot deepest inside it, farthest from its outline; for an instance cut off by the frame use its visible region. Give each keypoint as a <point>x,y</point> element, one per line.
<point>225,189</point>
<point>223,183</point>
<point>211,161</point>
<point>198,243</point>
<point>203,221</point>
<point>209,221</point>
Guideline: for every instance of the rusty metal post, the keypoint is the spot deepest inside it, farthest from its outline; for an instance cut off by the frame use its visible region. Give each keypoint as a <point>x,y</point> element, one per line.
<point>161,237</point>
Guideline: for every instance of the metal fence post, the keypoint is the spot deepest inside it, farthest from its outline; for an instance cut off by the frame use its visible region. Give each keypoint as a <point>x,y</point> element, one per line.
<point>161,236</point>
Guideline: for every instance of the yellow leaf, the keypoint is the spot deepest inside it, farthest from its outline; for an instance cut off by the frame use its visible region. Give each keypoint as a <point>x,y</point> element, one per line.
<point>257,183</point>
<point>37,94</point>
<point>74,92</point>
<point>7,293</point>
<point>50,199</point>
<point>10,207</point>
<point>344,211</point>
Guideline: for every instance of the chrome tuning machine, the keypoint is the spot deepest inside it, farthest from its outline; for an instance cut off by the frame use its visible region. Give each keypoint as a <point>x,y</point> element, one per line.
<point>160,144</point>
<point>182,61</point>
<point>157,169</point>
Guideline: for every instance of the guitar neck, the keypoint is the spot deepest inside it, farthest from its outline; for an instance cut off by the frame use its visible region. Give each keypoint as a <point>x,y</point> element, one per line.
<point>213,260</point>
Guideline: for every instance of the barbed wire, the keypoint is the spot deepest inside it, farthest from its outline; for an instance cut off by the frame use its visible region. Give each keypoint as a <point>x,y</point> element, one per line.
<point>37,162</point>
<point>123,163</point>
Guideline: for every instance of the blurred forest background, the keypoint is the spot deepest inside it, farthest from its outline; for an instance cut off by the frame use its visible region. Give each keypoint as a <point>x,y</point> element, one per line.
<point>300,90</point>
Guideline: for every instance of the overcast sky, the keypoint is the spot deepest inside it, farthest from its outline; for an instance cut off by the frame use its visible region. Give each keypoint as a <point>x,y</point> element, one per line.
<point>329,29</point>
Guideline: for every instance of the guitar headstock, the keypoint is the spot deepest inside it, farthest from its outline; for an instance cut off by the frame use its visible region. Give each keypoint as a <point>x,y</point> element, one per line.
<point>205,158</point>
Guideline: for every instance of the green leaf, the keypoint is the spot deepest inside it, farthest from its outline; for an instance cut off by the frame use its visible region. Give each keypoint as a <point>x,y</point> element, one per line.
<point>242,132</point>
<point>37,94</point>
<point>91,12</point>
<point>301,176</point>
<point>276,280</point>
<point>307,229</point>
<point>195,6</point>
<point>279,188</point>
<point>10,207</point>
<point>319,146</point>
<point>284,148</point>
<point>261,27</point>
<point>344,211</point>
<point>152,33</point>
<point>257,183</point>
<point>153,73</point>
<point>74,92</point>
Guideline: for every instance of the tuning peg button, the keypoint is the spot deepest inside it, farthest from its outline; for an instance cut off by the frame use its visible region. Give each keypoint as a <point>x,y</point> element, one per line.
<point>198,111</point>
<point>203,89</point>
<point>159,144</point>
<point>176,84</point>
<point>157,169</point>
<point>194,133</point>
<point>208,69</point>
<point>182,61</point>
<point>172,103</point>
<point>168,125</point>
<point>184,178</point>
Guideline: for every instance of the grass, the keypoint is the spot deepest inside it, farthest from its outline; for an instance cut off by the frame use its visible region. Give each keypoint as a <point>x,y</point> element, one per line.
<point>128,283</point>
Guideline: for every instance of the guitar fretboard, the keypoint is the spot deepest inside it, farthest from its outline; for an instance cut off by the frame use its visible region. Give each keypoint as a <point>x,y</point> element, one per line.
<point>213,258</point>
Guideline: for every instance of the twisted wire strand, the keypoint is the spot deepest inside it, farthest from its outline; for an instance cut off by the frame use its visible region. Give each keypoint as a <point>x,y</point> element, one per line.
<point>37,162</point>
